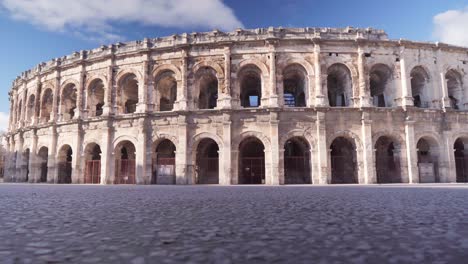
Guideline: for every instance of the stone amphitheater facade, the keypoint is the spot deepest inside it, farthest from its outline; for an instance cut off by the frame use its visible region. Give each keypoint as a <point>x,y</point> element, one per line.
<point>265,106</point>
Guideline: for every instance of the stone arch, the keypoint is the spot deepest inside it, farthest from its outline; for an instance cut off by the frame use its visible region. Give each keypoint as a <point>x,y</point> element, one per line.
<point>262,137</point>
<point>163,161</point>
<point>120,76</point>
<point>25,170</point>
<point>47,99</point>
<point>295,154</point>
<point>389,158</point>
<point>298,133</point>
<point>259,64</point>
<point>165,89</point>
<point>42,162</point>
<point>207,88</point>
<point>92,159</point>
<point>428,156</point>
<point>200,136</point>
<point>128,94</point>
<point>252,156</point>
<point>339,85</point>
<point>122,138</point>
<point>206,150</point>
<point>159,69</point>
<point>295,85</point>
<point>455,90</point>
<point>19,110</point>
<point>347,134</point>
<point>211,64</point>
<point>251,85</point>
<point>68,100</point>
<point>95,96</point>
<point>302,62</point>
<point>162,136</point>
<point>420,89</point>
<point>31,108</point>
<point>380,85</point>
<point>460,149</point>
<point>125,160</point>
<point>64,164</point>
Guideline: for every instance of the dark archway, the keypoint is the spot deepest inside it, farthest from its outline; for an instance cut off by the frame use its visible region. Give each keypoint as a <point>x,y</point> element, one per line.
<point>164,163</point>
<point>294,86</point>
<point>25,161</point>
<point>165,91</point>
<point>93,164</point>
<point>297,161</point>
<point>339,85</point>
<point>68,102</point>
<point>250,86</point>
<point>43,156</point>
<point>428,160</point>
<point>461,160</point>
<point>387,161</point>
<point>343,161</point>
<point>47,105</point>
<point>251,161</point>
<point>125,163</point>
<point>207,162</point>
<point>454,89</point>
<point>208,88</point>
<point>95,98</point>
<point>128,94</point>
<point>65,164</point>
<point>419,89</point>
<point>380,77</point>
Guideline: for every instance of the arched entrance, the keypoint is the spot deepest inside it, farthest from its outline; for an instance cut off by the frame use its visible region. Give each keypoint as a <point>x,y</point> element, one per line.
<point>25,168</point>
<point>43,156</point>
<point>164,163</point>
<point>387,161</point>
<point>297,161</point>
<point>461,159</point>
<point>128,94</point>
<point>455,89</point>
<point>251,161</point>
<point>207,84</point>
<point>207,169</point>
<point>68,102</point>
<point>250,86</point>
<point>339,85</point>
<point>419,87</point>
<point>294,86</point>
<point>343,161</point>
<point>428,160</point>
<point>165,91</point>
<point>125,163</point>
<point>65,164</point>
<point>95,99</point>
<point>93,164</point>
<point>380,78</point>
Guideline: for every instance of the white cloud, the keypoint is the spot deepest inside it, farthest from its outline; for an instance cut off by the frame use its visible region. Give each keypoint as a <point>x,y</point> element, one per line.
<point>451,27</point>
<point>3,122</point>
<point>96,17</point>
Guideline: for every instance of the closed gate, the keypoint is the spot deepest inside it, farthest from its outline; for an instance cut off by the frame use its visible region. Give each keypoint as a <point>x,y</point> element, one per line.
<point>343,169</point>
<point>164,171</point>
<point>388,170</point>
<point>65,171</point>
<point>208,171</point>
<point>93,172</point>
<point>296,170</point>
<point>461,164</point>
<point>125,171</point>
<point>253,170</point>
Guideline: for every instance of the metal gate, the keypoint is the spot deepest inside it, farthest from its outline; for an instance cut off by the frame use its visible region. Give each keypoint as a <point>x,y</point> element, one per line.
<point>164,171</point>
<point>388,169</point>
<point>93,172</point>
<point>208,171</point>
<point>461,164</point>
<point>65,172</point>
<point>343,169</point>
<point>296,170</point>
<point>253,170</point>
<point>125,171</point>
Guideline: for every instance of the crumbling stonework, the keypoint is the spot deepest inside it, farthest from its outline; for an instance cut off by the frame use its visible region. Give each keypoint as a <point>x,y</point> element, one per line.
<point>272,106</point>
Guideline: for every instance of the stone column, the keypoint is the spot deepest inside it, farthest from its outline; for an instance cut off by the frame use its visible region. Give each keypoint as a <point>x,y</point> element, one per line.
<point>364,91</point>
<point>406,94</point>
<point>368,149</point>
<point>77,168</point>
<point>411,152</point>
<point>181,154</point>
<point>142,105</point>
<point>19,170</point>
<point>273,101</point>
<point>108,107</point>
<point>322,170</point>
<point>54,116</point>
<point>33,162</point>
<point>182,90</point>
<point>80,92</point>
<point>449,155</point>
<point>320,99</point>
<point>143,162</point>
<point>51,159</point>
<point>224,101</point>
<point>275,149</point>
<point>107,150</point>
<point>225,174</point>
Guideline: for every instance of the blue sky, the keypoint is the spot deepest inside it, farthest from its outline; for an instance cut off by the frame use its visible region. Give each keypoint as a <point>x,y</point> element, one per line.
<point>33,31</point>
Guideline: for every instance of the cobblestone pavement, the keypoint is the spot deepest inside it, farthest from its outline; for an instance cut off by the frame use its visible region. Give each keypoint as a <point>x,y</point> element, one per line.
<point>237,224</point>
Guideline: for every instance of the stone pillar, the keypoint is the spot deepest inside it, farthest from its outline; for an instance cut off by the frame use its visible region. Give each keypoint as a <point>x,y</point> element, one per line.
<point>320,99</point>
<point>19,170</point>
<point>275,149</point>
<point>406,94</point>
<point>80,94</point>
<point>107,154</point>
<point>77,169</point>
<point>36,107</point>
<point>322,170</point>
<point>34,171</point>
<point>225,165</point>
<point>54,116</point>
<point>448,154</point>
<point>411,152</point>
<point>182,90</point>
<point>143,173</point>
<point>364,91</point>
<point>368,149</point>
<point>108,107</point>
<point>273,101</point>
<point>224,100</point>
<point>51,159</point>
<point>181,154</point>
<point>143,92</point>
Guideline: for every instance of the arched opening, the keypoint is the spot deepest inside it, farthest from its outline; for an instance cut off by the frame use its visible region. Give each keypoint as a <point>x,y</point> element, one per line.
<point>294,86</point>
<point>251,161</point>
<point>166,91</point>
<point>339,85</point>
<point>208,88</point>
<point>65,164</point>
<point>95,98</point>
<point>297,161</point>
<point>30,111</point>
<point>43,156</point>
<point>207,169</point>
<point>19,110</point>
<point>461,159</point>
<point>125,163</point>
<point>380,78</point>
<point>46,105</point>
<point>419,89</point>
<point>428,160</point>
<point>387,161</point>
<point>343,161</point>
<point>454,89</point>
<point>25,167</point>
<point>128,88</point>
<point>93,164</point>
<point>250,86</point>
<point>164,163</point>
<point>68,102</point>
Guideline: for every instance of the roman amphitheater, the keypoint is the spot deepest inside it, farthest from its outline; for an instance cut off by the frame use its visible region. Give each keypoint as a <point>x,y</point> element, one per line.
<point>265,106</point>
